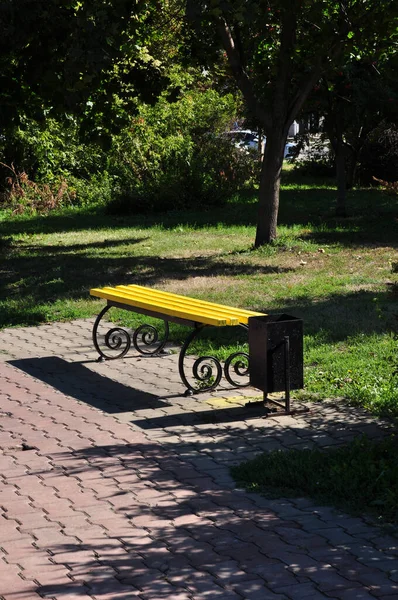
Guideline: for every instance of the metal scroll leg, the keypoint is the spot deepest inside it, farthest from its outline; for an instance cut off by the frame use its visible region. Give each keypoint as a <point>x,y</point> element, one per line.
<point>206,370</point>
<point>116,339</point>
<point>236,367</point>
<point>146,339</point>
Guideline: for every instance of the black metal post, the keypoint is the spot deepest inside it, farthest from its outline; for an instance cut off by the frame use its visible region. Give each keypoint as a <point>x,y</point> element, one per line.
<point>287,373</point>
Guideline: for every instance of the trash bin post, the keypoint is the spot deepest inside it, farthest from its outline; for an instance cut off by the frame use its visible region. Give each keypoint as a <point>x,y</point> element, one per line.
<point>276,356</point>
<point>287,373</point>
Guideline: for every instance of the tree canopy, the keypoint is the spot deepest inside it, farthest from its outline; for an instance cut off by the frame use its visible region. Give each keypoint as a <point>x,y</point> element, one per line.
<point>277,51</point>
<point>97,59</point>
<point>70,56</point>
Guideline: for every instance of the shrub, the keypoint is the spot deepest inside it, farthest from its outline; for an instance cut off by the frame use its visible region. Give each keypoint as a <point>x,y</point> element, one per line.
<point>322,167</point>
<point>24,195</point>
<point>164,158</point>
<point>317,162</point>
<point>51,149</point>
<point>168,159</point>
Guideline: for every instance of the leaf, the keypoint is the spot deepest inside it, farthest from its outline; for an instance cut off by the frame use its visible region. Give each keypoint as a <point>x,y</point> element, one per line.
<point>350,34</point>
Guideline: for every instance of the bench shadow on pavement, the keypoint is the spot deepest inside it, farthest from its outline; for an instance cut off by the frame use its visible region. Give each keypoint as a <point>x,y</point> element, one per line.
<point>76,380</point>
<point>85,385</point>
<point>205,417</point>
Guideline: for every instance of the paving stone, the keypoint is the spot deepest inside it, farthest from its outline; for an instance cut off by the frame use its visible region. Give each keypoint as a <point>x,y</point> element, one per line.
<point>350,594</point>
<point>120,487</point>
<point>301,591</point>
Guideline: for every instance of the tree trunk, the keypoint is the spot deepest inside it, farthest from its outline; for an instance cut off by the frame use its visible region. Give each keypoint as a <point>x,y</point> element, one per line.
<point>351,171</point>
<point>341,180</point>
<point>270,180</point>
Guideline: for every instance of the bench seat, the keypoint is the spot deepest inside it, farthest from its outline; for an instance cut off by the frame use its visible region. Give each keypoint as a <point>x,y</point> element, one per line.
<point>174,307</point>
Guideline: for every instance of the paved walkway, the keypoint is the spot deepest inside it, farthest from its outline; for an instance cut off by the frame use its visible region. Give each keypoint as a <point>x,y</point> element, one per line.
<point>113,485</point>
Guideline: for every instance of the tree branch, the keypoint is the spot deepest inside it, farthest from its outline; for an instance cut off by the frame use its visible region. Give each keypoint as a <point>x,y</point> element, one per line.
<point>306,85</point>
<point>242,79</point>
<point>288,39</point>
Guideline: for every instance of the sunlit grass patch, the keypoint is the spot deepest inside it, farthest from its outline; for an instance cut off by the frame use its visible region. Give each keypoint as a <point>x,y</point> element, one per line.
<point>332,273</point>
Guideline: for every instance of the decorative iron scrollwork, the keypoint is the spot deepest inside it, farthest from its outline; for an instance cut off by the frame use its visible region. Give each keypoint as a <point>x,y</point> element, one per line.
<point>207,372</point>
<point>146,339</point>
<point>237,363</point>
<point>117,341</point>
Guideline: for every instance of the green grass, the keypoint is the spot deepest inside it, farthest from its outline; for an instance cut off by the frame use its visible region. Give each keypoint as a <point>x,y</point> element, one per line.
<point>330,272</point>
<point>361,477</point>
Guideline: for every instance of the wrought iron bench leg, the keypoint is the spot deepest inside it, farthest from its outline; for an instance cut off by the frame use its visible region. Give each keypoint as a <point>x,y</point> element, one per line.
<point>207,371</point>
<point>145,339</point>
<point>115,338</point>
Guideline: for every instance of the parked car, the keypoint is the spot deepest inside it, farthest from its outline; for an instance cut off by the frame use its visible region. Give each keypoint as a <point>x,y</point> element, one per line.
<point>290,150</point>
<point>243,138</point>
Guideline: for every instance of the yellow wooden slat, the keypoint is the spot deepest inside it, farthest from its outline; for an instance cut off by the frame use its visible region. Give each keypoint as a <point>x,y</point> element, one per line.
<point>163,309</point>
<point>176,305</point>
<point>192,301</point>
<point>220,310</point>
<point>154,303</point>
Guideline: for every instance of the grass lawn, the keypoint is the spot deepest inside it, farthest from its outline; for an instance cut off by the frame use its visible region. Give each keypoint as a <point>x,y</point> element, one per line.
<point>330,272</point>
<point>360,477</point>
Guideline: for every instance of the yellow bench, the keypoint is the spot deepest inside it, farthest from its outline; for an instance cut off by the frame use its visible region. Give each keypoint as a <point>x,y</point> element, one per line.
<point>207,371</point>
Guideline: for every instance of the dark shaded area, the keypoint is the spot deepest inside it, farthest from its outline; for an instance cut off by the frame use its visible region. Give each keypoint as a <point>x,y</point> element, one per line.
<point>79,382</point>
<point>56,273</point>
<point>343,315</point>
<point>372,216</point>
<point>253,408</point>
<point>66,248</point>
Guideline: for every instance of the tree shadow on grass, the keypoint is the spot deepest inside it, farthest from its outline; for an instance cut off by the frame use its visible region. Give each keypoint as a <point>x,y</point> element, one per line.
<point>35,280</point>
<point>31,282</point>
<point>372,216</point>
<point>340,316</point>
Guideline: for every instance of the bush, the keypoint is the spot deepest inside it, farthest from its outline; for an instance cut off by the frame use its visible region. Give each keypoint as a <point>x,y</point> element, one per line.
<point>317,162</point>
<point>164,159</point>
<point>24,195</point>
<point>315,168</point>
<point>51,149</point>
<point>168,159</point>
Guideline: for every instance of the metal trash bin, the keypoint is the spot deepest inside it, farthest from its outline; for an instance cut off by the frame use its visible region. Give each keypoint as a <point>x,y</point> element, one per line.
<point>276,355</point>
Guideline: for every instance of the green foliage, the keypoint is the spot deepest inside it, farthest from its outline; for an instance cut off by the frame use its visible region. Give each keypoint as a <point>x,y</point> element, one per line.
<point>173,156</point>
<point>361,477</point>
<point>277,51</point>
<point>315,167</point>
<point>166,157</point>
<point>60,56</point>
<point>47,165</point>
<point>50,149</point>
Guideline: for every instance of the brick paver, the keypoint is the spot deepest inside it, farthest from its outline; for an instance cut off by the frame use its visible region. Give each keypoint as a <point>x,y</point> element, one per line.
<point>114,485</point>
